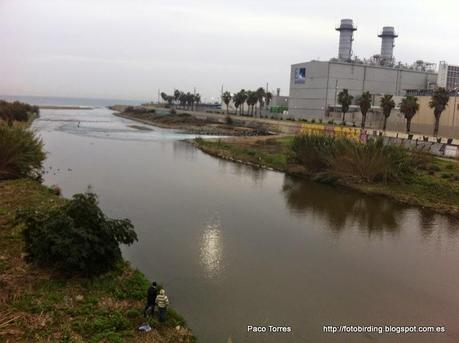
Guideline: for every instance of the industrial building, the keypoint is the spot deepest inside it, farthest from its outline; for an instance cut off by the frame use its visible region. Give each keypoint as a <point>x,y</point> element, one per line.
<point>448,76</point>
<point>314,85</point>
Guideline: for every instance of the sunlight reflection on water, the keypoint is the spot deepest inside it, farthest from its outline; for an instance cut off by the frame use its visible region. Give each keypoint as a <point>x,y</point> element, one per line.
<point>212,248</point>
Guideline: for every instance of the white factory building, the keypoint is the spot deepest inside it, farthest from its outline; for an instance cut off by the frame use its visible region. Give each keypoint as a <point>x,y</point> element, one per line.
<point>448,76</point>
<point>314,85</point>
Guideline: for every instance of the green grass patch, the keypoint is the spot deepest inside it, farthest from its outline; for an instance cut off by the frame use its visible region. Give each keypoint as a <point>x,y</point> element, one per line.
<point>133,286</point>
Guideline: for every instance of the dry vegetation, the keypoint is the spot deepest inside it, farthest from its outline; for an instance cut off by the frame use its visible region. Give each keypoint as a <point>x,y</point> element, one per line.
<point>189,123</point>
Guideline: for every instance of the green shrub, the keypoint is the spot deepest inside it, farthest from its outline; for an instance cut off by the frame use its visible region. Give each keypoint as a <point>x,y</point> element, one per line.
<point>312,151</point>
<point>370,162</point>
<point>76,238</point>
<point>16,111</point>
<point>445,175</point>
<point>21,153</point>
<point>421,159</point>
<point>433,168</point>
<point>134,286</point>
<point>342,157</point>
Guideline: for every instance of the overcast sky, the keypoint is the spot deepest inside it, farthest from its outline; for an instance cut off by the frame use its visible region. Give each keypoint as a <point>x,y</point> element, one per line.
<point>128,49</point>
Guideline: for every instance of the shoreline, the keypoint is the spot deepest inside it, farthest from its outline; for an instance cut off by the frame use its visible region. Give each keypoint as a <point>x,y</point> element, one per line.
<point>189,123</point>
<point>404,194</point>
<point>106,307</point>
<point>64,107</point>
<point>69,307</point>
<point>238,150</point>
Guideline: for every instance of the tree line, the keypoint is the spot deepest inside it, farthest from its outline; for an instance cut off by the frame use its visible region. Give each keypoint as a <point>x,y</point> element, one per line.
<point>251,98</point>
<point>186,100</point>
<point>409,106</point>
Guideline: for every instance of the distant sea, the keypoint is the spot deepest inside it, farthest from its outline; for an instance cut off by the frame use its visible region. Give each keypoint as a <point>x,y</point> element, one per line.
<point>93,102</point>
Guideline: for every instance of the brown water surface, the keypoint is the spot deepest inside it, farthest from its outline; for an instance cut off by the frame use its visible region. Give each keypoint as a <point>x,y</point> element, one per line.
<point>236,246</point>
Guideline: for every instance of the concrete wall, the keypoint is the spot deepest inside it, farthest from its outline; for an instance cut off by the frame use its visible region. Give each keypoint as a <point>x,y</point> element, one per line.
<point>433,147</point>
<point>422,123</point>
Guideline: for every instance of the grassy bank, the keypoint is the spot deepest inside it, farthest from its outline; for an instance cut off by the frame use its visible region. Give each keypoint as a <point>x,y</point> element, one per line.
<point>434,186</point>
<point>38,304</point>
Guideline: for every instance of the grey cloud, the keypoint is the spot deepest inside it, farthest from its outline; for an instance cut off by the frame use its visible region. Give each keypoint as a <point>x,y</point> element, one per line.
<point>129,49</point>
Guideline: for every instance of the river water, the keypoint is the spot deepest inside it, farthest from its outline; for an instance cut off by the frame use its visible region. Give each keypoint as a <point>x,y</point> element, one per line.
<point>237,246</point>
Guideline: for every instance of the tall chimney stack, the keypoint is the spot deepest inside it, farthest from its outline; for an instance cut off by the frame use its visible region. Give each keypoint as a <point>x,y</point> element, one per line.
<point>346,32</point>
<point>387,42</point>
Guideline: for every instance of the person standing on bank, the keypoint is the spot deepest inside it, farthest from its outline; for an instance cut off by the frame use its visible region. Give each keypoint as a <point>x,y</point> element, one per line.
<point>163,302</point>
<point>151,298</point>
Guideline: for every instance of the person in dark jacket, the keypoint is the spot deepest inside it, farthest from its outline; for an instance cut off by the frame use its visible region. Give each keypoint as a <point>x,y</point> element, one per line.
<point>151,298</point>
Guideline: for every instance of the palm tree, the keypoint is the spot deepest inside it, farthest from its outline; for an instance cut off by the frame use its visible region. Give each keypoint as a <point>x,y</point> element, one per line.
<point>197,99</point>
<point>167,98</point>
<point>237,101</point>
<point>365,105</point>
<point>261,94</point>
<point>164,96</point>
<point>387,104</point>
<point>252,99</point>
<point>409,106</point>
<point>189,99</point>
<point>438,102</point>
<point>177,95</point>
<point>226,98</point>
<point>182,99</point>
<point>345,100</point>
<point>269,96</point>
